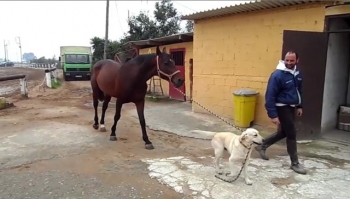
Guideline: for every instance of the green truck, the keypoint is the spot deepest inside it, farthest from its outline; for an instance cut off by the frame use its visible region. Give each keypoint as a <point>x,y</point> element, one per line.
<point>75,62</point>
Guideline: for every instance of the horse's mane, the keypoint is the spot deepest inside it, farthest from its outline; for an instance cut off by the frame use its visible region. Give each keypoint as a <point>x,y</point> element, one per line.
<point>142,59</point>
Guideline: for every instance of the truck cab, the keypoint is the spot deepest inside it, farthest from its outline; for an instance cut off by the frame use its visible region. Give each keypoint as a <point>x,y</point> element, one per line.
<point>77,64</point>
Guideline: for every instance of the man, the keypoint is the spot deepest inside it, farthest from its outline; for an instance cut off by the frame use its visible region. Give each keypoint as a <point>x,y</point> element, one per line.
<point>283,96</point>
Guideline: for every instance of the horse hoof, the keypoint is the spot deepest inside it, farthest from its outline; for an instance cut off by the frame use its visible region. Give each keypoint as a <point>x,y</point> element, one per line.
<point>149,146</point>
<point>95,126</point>
<point>103,129</point>
<point>113,138</point>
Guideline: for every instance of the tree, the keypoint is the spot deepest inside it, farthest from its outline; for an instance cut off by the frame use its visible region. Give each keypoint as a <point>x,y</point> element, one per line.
<point>189,26</point>
<point>28,56</point>
<point>167,18</point>
<point>141,27</point>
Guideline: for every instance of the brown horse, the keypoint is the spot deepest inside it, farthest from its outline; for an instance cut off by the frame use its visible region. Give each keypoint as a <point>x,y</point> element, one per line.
<point>128,83</point>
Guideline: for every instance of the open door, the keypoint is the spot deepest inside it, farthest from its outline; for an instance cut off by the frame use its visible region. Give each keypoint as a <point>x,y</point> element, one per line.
<point>178,56</point>
<point>312,50</point>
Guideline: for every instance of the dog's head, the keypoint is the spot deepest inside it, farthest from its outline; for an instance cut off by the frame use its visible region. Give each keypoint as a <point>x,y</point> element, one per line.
<point>252,136</point>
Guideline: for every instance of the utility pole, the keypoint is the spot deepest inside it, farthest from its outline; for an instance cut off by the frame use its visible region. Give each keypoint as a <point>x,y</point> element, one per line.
<point>18,41</point>
<point>5,49</point>
<point>6,43</point>
<point>106,33</point>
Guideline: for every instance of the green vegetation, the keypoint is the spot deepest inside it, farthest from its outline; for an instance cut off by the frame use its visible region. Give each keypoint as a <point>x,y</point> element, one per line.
<point>55,85</point>
<point>166,22</point>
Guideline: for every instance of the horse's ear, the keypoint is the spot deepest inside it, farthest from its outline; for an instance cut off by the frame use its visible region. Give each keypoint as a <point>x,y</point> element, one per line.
<point>164,50</point>
<point>158,51</point>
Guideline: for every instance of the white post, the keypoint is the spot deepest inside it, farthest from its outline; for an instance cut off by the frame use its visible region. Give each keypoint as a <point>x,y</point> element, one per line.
<point>24,88</point>
<point>48,79</point>
<point>54,73</point>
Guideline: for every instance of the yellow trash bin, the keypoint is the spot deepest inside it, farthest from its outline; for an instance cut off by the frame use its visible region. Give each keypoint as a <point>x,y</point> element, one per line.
<point>244,107</point>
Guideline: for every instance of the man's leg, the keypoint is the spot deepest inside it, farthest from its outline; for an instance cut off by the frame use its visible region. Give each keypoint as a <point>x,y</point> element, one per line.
<point>272,139</point>
<point>292,142</point>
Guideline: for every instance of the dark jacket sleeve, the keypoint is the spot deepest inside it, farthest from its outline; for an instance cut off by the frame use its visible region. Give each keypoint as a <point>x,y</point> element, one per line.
<point>270,96</point>
<point>300,89</point>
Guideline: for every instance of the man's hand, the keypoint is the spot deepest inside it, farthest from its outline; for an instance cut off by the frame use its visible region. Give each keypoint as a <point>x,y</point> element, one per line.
<point>299,112</point>
<point>275,121</point>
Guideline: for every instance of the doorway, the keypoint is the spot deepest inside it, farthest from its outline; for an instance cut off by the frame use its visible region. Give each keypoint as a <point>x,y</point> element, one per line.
<point>178,55</point>
<point>312,50</point>
<point>337,81</point>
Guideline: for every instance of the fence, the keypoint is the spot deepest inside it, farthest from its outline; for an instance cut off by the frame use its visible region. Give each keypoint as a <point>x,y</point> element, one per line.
<point>10,86</point>
<point>22,82</point>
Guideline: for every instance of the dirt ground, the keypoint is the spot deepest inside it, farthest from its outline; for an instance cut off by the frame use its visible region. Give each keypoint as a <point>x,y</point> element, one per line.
<point>115,164</point>
<point>48,149</point>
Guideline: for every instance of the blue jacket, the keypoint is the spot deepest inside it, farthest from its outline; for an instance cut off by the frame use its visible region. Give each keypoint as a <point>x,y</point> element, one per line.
<point>283,88</point>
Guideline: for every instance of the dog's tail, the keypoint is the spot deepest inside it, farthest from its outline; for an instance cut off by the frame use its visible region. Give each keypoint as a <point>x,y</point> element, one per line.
<point>206,134</point>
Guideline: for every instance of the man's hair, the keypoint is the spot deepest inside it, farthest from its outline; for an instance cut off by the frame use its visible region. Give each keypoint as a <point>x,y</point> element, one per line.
<point>293,52</point>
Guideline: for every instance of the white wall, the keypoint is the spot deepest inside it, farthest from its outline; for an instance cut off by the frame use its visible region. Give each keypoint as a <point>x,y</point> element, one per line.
<point>337,75</point>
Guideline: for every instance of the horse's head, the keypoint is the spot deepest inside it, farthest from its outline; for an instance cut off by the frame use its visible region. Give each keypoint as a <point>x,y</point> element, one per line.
<point>167,70</point>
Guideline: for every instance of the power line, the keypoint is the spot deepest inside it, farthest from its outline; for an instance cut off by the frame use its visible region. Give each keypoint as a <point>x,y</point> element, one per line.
<point>120,24</point>
<point>184,6</point>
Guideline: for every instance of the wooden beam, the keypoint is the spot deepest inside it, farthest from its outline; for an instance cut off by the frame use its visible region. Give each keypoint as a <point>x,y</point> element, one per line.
<point>155,43</point>
<point>12,77</point>
<point>185,37</point>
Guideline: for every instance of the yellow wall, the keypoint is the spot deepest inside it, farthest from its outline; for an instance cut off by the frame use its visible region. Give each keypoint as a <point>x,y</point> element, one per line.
<point>188,55</point>
<point>241,51</point>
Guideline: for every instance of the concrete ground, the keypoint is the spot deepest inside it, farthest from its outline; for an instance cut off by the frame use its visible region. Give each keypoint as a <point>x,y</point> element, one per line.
<point>50,150</point>
<point>328,163</point>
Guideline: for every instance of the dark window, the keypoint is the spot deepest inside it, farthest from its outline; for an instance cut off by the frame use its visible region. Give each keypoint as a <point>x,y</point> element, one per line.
<point>77,59</point>
<point>178,57</point>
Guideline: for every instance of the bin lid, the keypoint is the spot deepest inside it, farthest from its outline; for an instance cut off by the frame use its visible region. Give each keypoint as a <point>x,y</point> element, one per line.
<point>245,92</point>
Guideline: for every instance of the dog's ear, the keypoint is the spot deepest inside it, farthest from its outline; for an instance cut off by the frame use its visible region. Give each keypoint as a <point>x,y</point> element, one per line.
<point>244,137</point>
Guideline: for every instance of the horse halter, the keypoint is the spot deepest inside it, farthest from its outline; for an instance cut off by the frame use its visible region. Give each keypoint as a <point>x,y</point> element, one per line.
<point>163,73</point>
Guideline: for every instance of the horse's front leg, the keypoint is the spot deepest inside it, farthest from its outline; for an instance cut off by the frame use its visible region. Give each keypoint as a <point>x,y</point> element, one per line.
<point>104,108</point>
<point>140,111</point>
<point>118,108</point>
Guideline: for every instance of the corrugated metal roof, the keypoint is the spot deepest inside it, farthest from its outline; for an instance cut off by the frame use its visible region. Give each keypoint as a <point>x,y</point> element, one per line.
<point>247,7</point>
<point>178,38</point>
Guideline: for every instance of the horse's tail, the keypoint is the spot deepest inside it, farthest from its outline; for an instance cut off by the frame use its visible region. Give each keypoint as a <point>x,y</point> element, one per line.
<point>96,91</point>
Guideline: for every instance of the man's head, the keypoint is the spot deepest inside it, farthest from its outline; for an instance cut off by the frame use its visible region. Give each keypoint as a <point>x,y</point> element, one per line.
<point>291,59</point>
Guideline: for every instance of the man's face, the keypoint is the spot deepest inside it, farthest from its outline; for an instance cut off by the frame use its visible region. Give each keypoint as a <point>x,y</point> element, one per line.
<point>290,60</point>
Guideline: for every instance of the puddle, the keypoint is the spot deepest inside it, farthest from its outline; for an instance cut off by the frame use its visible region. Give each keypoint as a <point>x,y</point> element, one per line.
<point>7,90</point>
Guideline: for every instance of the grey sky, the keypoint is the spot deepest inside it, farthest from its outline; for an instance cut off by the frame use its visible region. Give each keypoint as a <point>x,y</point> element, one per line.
<point>44,26</point>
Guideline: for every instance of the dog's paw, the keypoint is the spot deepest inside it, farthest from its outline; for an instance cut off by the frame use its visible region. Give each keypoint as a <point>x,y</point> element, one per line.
<point>248,181</point>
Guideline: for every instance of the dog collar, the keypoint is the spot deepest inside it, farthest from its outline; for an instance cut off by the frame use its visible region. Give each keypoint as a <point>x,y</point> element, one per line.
<point>245,146</point>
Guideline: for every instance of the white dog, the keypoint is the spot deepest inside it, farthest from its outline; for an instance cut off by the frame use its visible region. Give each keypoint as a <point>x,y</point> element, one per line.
<point>236,145</point>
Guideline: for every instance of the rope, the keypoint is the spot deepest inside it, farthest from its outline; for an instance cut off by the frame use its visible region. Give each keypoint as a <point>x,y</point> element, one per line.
<point>229,123</point>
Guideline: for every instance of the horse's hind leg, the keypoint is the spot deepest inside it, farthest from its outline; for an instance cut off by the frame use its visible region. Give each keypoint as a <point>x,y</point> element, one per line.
<point>118,108</point>
<point>95,104</point>
<point>140,111</point>
<point>104,108</point>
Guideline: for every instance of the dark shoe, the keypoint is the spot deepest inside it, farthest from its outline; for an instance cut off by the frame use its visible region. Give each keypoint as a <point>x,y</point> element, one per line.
<point>295,165</point>
<point>298,168</point>
<point>262,152</point>
<point>270,140</point>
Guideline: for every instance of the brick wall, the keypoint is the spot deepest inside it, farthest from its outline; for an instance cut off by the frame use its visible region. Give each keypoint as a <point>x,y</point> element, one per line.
<point>241,51</point>
<point>188,55</point>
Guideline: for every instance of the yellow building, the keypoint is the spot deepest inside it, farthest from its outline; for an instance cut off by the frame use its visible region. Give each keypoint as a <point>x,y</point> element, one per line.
<point>180,48</point>
<point>239,47</point>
